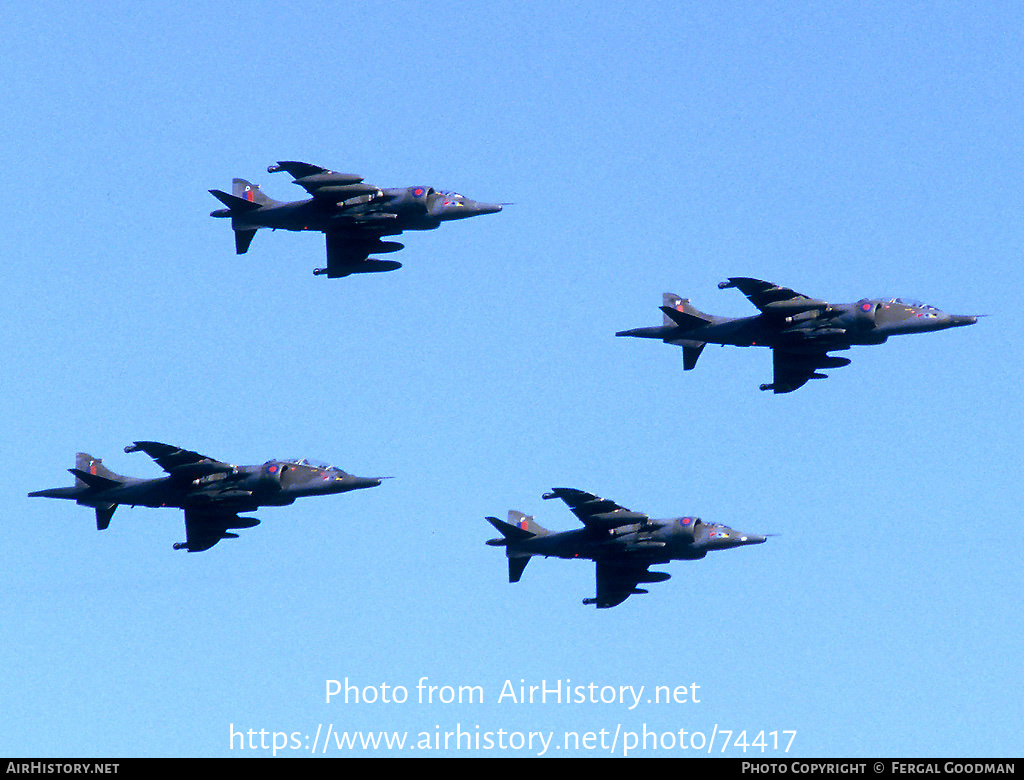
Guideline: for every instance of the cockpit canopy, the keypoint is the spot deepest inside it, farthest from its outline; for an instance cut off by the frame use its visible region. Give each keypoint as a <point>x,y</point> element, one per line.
<point>889,312</point>
<point>913,302</point>
<point>317,464</point>
<point>308,462</point>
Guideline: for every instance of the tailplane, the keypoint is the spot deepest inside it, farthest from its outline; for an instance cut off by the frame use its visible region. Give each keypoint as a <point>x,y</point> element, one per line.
<point>92,478</point>
<point>680,313</point>
<point>245,197</point>
<point>91,472</point>
<point>519,528</point>
<point>235,205</point>
<point>678,318</point>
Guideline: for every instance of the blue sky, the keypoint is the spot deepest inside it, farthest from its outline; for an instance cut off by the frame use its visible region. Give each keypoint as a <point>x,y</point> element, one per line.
<point>843,151</point>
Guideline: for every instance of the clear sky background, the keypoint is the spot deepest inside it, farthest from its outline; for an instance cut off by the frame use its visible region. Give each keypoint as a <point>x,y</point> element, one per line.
<point>841,150</point>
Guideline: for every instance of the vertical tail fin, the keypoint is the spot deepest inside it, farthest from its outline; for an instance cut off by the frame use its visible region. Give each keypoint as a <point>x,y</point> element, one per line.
<point>244,198</point>
<point>671,301</point>
<point>90,473</point>
<point>692,314</point>
<point>679,312</point>
<point>519,528</point>
<point>88,464</point>
<point>246,190</point>
<point>526,523</point>
<point>91,479</point>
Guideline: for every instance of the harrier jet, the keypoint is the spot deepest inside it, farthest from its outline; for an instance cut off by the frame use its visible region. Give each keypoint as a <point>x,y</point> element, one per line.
<point>623,544</point>
<point>353,214</point>
<point>801,331</point>
<point>212,493</point>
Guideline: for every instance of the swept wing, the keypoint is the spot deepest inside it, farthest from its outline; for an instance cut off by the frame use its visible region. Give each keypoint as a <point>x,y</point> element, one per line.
<point>772,299</point>
<point>348,252</point>
<point>183,465</point>
<point>617,580</point>
<point>793,369</point>
<point>325,184</point>
<point>204,528</point>
<point>595,512</point>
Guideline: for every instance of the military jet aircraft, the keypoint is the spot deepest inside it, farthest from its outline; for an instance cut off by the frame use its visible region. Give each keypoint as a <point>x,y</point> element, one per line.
<point>623,544</point>
<point>211,492</point>
<point>801,331</point>
<point>353,214</point>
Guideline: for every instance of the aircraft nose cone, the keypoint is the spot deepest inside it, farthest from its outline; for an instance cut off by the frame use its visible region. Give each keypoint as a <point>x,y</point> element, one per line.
<point>486,208</point>
<point>366,482</point>
<point>357,483</point>
<point>753,539</point>
<point>964,319</point>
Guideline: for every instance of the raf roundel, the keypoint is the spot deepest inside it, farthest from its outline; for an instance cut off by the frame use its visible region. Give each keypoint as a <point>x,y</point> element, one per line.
<point>272,468</point>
